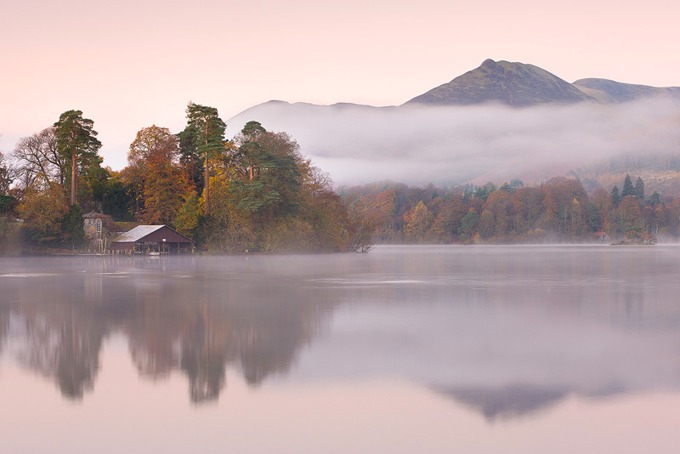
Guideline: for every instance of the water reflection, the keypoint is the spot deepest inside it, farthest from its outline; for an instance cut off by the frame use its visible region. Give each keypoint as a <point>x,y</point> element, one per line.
<point>197,323</point>
<point>507,332</point>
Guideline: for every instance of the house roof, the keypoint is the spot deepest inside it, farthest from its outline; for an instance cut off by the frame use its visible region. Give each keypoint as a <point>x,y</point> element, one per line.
<point>137,233</point>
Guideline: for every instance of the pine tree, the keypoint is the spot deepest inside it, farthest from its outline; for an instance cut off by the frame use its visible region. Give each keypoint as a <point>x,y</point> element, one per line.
<point>204,139</point>
<point>640,189</point>
<point>616,196</point>
<point>628,188</point>
<point>76,143</point>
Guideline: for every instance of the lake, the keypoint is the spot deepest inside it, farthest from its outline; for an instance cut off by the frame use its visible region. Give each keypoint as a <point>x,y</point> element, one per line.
<point>407,349</point>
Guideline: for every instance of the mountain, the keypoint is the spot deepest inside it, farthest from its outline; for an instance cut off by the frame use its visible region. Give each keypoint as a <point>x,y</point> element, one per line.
<point>514,84</point>
<point>471,131</point>
<point>609,91</point>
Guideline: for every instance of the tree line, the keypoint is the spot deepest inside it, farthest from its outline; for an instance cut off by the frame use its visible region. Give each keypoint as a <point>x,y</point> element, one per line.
<point>557,210</point>
<point>254,192</point>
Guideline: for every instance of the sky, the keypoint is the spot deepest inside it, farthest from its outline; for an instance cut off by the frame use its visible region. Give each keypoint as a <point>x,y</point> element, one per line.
<point>130,64</point>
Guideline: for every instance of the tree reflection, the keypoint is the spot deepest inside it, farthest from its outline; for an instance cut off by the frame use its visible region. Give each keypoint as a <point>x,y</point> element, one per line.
<point>62,344</point>
<point>198,325</point>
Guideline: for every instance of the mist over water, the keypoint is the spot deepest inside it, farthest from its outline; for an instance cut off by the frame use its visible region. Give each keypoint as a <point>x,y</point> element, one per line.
<point>502,335</point>
<point>421,144</point>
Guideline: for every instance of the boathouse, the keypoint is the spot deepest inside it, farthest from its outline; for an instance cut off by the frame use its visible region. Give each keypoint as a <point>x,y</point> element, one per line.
<point>152,239</point>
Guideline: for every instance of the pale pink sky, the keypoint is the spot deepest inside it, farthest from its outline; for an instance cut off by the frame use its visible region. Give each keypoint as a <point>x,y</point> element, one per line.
<point>129,64</point>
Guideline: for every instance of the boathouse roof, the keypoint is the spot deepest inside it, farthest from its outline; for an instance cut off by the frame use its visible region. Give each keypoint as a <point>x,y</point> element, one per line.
<point>141,232</point>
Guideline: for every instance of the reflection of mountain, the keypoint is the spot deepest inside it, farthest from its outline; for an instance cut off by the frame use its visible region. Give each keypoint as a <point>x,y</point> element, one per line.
<point>506,402</point>
<point>507,331</point>
<point>197,324</point>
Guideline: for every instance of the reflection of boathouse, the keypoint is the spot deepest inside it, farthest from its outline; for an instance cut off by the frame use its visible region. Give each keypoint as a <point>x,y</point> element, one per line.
<point>152,239</point>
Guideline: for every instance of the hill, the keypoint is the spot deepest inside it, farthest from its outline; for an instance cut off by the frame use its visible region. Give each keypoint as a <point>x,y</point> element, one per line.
<point>609,91</point>
<point>514,84</point>
<point>499,122</point>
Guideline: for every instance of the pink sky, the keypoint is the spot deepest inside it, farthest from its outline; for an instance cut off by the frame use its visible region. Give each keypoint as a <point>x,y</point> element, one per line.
<point>129,64</point>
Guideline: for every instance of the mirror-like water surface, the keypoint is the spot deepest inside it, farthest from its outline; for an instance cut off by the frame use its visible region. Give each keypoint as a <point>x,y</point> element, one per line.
<point>406,349</point>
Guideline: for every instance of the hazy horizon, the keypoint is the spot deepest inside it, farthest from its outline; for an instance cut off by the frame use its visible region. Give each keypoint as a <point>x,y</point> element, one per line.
<point>133,65</point>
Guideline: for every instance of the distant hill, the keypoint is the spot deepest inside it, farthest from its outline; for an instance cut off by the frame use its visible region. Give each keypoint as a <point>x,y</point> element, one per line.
<point>498,122</point>
<point>514,84</point>
<point>609,91</point>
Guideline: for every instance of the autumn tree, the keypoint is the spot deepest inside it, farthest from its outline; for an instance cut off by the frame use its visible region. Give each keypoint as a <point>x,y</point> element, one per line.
<point>626,219</point>
<point>43,212</point>
<point>153,159</point>
<point>448,219</point>
<point>417,222</point>
<point>77,144</point>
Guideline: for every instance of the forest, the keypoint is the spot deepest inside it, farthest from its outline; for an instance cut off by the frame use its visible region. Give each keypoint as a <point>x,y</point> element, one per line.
<point>559,210</point>
<point>256,192</point>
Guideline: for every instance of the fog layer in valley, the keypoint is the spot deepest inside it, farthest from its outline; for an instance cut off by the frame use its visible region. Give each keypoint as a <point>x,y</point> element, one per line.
<point>421,144</point>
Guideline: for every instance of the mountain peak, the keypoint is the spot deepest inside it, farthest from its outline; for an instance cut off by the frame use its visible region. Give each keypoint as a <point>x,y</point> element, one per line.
<point>511,83</point>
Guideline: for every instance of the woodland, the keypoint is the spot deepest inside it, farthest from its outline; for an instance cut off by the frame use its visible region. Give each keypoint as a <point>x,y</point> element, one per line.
<point>253,193</point>
<point>257,193</point>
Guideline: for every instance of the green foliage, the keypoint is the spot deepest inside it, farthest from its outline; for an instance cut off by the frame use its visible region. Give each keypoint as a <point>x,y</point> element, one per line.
<point>468,225</point>
<point>77,144</point>
<point>640,189</point>
<point>655,199</point>
<point>628,188</point>
<point>72,229</point>
<point>616,196</point>
<point>117,199</point>
<point>8,204</point>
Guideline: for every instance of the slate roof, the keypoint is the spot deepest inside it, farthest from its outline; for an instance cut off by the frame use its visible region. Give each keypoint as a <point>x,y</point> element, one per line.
<point>137,233</point>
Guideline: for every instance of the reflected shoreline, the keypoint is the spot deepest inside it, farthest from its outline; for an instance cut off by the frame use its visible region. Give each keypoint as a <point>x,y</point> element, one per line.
<point>505,331</point>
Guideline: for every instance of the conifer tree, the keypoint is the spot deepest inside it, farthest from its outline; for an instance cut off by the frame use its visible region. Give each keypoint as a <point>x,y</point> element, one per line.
<point>640,189</point>
<point>76,143</point>
<point>204,138</point>
<point>628,188</point>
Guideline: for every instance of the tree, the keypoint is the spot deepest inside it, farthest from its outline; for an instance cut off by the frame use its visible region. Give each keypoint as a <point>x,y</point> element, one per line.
<point>616,196</point>
<point>42,212</point>
<point>271,174</point>
<point>77,144</point>
<point>417,222</point>
<point>5,177</point>
<point>628,188</point>
<point>161,183</point>
<point>626,219</point>
<point>203,138</point>
<point>640,189</point>
<point>468,225</point>
<point>39,161</point>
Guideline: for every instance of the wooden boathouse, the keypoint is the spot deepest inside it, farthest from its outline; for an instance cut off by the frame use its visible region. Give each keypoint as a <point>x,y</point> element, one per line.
<point>152,239</point>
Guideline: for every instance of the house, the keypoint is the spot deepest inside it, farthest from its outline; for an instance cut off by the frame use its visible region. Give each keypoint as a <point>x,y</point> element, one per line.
<point>97,229</point>
<point>152,239</point>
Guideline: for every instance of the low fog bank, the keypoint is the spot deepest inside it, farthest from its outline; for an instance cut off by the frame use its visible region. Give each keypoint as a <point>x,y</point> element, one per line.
<point>445,145</point>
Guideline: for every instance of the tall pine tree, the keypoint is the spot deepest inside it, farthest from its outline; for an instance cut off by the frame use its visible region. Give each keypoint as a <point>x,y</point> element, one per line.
<point>203,138</point>
<point>77,144</point>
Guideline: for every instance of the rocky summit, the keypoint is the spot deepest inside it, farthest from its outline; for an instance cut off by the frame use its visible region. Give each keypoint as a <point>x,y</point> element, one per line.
<point>514,84</point>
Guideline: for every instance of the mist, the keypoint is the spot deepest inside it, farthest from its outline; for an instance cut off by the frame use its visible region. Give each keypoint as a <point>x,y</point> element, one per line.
<point>448,145</point>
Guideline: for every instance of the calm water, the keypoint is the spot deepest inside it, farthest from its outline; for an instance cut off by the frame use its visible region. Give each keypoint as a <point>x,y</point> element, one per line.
<point>403,350</point>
